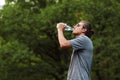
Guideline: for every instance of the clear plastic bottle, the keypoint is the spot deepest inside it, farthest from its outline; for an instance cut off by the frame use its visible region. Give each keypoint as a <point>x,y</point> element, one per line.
<point>68,28</point>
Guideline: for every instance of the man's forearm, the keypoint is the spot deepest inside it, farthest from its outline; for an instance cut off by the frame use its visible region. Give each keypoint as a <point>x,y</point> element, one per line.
<point>62,40</point>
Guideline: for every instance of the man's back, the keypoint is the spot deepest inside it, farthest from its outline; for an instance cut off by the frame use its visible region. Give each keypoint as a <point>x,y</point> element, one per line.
<point>81,58</point>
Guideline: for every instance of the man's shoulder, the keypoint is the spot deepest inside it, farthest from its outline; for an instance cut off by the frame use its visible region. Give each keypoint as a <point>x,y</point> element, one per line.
<point>84,37</point>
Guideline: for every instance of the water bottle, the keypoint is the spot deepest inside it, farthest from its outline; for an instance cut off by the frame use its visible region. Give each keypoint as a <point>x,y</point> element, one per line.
<point>67,28</point>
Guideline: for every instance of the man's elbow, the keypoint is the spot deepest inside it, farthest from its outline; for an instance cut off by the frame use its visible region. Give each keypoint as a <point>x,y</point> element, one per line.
<point>64,46</point>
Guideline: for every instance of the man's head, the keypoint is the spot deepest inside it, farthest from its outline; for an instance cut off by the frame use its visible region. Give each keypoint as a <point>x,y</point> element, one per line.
<point>83,27</point>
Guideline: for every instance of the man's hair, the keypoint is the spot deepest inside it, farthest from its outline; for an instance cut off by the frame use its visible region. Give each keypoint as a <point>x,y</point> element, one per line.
<point>87,26</point>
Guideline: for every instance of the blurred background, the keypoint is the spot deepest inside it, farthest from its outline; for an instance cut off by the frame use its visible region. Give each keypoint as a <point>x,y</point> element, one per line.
<point>29,48</point>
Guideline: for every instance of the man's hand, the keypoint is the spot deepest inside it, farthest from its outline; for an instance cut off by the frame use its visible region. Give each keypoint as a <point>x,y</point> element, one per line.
<point>61,26</point>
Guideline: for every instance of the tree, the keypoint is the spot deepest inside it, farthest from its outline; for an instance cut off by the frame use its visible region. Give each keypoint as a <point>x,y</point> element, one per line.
<point>33,28</point>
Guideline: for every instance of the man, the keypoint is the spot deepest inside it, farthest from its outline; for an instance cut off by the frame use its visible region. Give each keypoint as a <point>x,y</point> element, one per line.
<point>81,58</point>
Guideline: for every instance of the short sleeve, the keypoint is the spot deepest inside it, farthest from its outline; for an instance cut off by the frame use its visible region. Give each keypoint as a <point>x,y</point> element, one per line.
<point>77,43</point>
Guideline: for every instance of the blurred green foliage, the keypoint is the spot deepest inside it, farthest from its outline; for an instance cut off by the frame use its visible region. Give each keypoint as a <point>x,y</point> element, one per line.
<point>29,48</point>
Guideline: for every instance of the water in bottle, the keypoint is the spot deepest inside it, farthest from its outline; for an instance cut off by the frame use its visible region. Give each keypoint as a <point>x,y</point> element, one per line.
<point>68,28</point>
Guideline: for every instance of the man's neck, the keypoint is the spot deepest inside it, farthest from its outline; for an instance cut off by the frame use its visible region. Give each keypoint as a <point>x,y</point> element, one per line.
<point>79,35</point>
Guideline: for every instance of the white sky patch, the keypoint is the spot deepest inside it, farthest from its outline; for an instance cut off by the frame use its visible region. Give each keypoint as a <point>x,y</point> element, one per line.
<point>2,2</point>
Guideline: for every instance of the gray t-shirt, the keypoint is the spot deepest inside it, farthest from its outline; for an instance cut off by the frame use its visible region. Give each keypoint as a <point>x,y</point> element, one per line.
<point>81,59</point>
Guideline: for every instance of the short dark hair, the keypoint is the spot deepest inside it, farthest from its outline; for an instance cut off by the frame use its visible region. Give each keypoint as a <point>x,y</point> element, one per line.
<point>87,26</point>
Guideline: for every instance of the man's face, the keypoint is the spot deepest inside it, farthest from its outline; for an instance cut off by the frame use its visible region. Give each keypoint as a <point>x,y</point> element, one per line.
<point>78,29</point>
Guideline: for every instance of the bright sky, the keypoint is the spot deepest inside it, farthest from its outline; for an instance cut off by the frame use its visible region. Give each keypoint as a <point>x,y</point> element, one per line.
<point>2,2</point>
